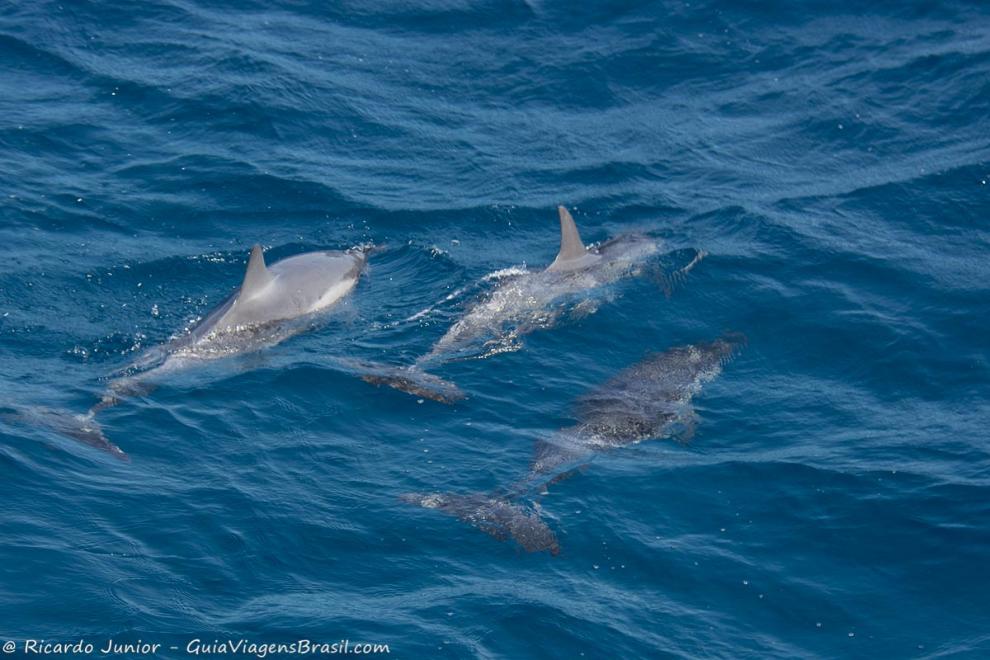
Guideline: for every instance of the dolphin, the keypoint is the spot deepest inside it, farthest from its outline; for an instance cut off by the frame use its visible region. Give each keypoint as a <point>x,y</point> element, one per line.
<point>649,400</point>
<point>524,301</point>
<point>81,428</point>
<point>273,302</point>
<point>497,517</point>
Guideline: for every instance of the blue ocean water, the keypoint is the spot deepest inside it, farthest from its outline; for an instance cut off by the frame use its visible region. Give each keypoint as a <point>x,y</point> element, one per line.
<point>832,161</point>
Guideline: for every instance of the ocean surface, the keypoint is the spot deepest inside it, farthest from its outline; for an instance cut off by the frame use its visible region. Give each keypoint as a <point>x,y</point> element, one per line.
<point>832,162</point>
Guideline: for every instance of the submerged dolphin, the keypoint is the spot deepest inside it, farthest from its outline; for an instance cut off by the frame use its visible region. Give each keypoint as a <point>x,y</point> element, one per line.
<point>651,399</point>
<point>524,301</point>
<point>272,304</point>
<point>497,517</point>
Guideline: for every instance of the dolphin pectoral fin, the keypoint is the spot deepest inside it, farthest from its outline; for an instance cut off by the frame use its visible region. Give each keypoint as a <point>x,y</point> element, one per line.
<point>410,380</point>
<point>81,428</point>
<point>499,518</point>
<point>584,309</point>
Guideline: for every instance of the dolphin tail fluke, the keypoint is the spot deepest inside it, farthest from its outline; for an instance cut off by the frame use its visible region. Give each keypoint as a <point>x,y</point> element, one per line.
<point>120,389</point>
<point>81,428</point>
<point>417,383</point>
<point>563,476</point>
<point>499,518</point>
<point>411,380</point>
<point>670,276</point>
<point>684,427</point>
<point>132,387</point>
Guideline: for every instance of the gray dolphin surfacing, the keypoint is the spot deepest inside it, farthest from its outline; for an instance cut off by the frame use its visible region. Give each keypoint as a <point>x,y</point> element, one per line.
<point>272,304</point>
<point>649,400</point>
<point>524,301</point>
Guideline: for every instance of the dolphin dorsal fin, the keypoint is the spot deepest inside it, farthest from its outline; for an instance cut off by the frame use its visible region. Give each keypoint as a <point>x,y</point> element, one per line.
<point>257,276</point>
<point>573,253</point>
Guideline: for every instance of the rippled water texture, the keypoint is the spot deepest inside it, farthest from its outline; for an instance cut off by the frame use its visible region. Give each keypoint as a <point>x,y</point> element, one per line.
<point>833,163</point>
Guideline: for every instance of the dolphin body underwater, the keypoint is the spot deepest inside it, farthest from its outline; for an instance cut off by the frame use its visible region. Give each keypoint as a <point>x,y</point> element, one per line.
<point>524,301</point>
<point>649,400</point>
<point>272,304</point>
